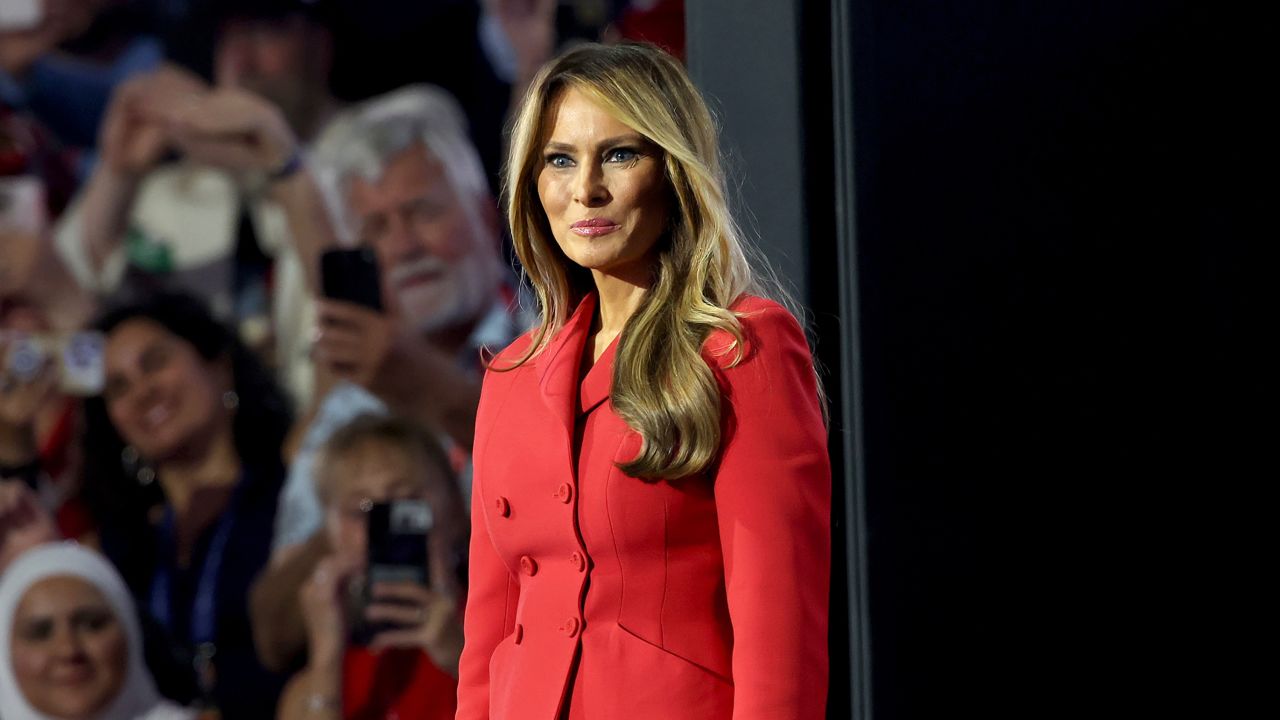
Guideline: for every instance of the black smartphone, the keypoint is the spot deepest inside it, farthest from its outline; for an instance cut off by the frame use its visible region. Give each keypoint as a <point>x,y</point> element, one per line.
<point>351,274</point>
<point>397,552</point>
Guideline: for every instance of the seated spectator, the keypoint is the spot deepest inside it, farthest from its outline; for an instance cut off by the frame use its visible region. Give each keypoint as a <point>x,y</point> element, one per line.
<point>70,643</point>
<point>183,466</point>
<point>143,224</point>
<point>305,601</point>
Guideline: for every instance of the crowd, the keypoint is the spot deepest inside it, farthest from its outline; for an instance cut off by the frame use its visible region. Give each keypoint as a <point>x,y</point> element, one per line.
<point>199,401</point>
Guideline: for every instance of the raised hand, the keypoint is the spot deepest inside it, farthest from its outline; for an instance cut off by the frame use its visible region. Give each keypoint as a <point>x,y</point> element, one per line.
<point>429,622</point>
<point>23,522</point>
<point>136,132</point>
<point>322,598</point>
<point>353,342</point>
<point>234,129</point>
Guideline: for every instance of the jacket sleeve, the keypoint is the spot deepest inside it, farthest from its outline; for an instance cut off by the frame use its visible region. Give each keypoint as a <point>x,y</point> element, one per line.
<point>773,501</point>
<point>491,603</point>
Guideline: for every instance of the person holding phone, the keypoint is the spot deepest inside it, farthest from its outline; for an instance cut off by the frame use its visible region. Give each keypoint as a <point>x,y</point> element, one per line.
<point>652,490</point>
<point>405,663</point>
<point>41,306</point>
<point>417,288</point>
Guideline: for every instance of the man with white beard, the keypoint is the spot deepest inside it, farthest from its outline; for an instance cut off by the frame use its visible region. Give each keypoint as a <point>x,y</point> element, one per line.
<point>406,182</point>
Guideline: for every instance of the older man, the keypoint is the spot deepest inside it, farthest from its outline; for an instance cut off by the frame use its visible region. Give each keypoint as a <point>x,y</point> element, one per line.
<point>407,183</point>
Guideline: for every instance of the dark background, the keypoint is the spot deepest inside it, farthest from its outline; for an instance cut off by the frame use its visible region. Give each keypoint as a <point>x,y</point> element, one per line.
<point>1046,227</point>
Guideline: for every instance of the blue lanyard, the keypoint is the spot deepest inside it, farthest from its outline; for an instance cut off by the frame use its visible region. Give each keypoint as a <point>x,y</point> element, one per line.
<point>204,610</point>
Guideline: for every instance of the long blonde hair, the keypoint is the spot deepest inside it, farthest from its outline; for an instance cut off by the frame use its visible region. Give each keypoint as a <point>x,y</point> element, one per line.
<point>662,387</point>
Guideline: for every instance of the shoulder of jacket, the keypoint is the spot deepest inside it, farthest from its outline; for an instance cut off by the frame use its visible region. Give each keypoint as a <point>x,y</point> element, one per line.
<point>761,320</point>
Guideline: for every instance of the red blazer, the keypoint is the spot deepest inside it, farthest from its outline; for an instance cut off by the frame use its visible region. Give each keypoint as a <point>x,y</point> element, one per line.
<point>703,598</point>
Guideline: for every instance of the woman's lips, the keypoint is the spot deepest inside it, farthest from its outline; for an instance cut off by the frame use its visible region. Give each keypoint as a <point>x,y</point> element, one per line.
<point>594,227</point>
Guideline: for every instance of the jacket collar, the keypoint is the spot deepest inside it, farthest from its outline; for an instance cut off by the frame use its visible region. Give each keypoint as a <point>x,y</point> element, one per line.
<point>558,365</point>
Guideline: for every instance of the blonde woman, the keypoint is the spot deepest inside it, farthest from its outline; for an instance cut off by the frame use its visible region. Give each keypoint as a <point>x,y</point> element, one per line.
<point>652,489</point>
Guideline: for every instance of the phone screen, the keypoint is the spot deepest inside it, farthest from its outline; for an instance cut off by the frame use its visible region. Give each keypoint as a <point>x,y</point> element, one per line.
<point>351,275</point>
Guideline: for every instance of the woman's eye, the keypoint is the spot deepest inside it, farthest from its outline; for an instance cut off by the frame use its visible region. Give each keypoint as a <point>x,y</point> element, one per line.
<point>621,155</point>
<point>559,160</point>
<point>37,631</point>
<point>96,620</point>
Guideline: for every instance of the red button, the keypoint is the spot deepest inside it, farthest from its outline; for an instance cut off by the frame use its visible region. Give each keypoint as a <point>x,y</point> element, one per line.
<point>564,493</point>
<point>502,507</point>
<point>528,565</point>
<point>519,633</point>
<point>579,563</point>
<point>570,627</point>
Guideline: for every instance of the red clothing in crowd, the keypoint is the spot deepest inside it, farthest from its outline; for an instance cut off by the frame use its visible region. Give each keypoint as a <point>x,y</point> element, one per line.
<point>396,685</point>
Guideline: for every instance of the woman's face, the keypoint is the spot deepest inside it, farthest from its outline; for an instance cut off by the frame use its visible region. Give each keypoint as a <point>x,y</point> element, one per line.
<point>603,188</point>
<point>162,397</point>
<point>69,649</point>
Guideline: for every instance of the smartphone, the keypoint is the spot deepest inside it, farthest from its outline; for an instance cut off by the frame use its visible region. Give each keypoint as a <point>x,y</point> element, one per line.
<point>77,358</point>
<point>397,552</point>
<point>351,274</point>
<point>20,14</point>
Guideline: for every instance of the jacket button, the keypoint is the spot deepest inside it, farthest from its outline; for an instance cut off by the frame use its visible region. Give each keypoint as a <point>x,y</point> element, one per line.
<point>569,627</point>
<point>579,563</point>
<point>502,507</point>
<point>519,633</point>
<point>564,493</point>
<point>528,565</point>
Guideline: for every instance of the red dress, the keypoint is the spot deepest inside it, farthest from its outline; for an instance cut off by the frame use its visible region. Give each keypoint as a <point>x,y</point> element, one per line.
<point>396,685</point>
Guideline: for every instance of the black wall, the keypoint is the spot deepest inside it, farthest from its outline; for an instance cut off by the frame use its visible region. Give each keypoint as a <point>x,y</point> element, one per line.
<point>1052,216</point>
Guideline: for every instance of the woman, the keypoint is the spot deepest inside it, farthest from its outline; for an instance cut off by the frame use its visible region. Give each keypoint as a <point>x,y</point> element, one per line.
<point>652,489</point>
<point>70,644</point>
<point>183,462</point>
<point>408,670</point>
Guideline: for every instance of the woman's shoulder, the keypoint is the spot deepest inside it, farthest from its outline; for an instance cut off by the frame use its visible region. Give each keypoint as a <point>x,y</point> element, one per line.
<point>509,357</point>
<point>763,322</point>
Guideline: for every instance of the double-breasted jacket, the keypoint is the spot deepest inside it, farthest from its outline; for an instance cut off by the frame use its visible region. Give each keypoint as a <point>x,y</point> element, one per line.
<point>703,597</point>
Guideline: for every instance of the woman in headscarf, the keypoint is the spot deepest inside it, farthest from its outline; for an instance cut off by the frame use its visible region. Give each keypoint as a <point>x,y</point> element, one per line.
<point>70,644</point>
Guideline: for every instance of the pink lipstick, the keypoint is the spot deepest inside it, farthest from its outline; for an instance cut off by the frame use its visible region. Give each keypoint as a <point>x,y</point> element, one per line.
<point>594,227</point>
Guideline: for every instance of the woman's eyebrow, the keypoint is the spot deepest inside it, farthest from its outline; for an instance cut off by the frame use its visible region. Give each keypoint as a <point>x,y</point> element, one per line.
<point>557,146</point>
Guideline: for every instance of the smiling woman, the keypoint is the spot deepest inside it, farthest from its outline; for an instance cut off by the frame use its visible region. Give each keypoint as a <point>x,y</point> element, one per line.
<point>184,469</point>
<point>70,646</point>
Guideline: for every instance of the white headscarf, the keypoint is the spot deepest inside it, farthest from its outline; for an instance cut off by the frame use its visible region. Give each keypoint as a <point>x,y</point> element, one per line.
<point>138,699</point>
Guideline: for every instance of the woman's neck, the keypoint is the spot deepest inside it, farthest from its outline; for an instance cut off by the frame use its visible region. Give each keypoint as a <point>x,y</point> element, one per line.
<point>211,471</point>
<point>620,297</point>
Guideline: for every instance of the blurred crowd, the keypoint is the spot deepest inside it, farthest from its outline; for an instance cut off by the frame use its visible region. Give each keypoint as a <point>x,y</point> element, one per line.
<point>250,258</point>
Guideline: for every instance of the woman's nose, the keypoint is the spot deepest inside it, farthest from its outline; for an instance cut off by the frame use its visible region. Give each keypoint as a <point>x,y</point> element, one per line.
<point>66,644</point>
<point>589,187</point>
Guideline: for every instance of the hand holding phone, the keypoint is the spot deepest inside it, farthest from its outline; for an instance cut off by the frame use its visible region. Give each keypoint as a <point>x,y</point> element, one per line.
<point>397,555</point>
